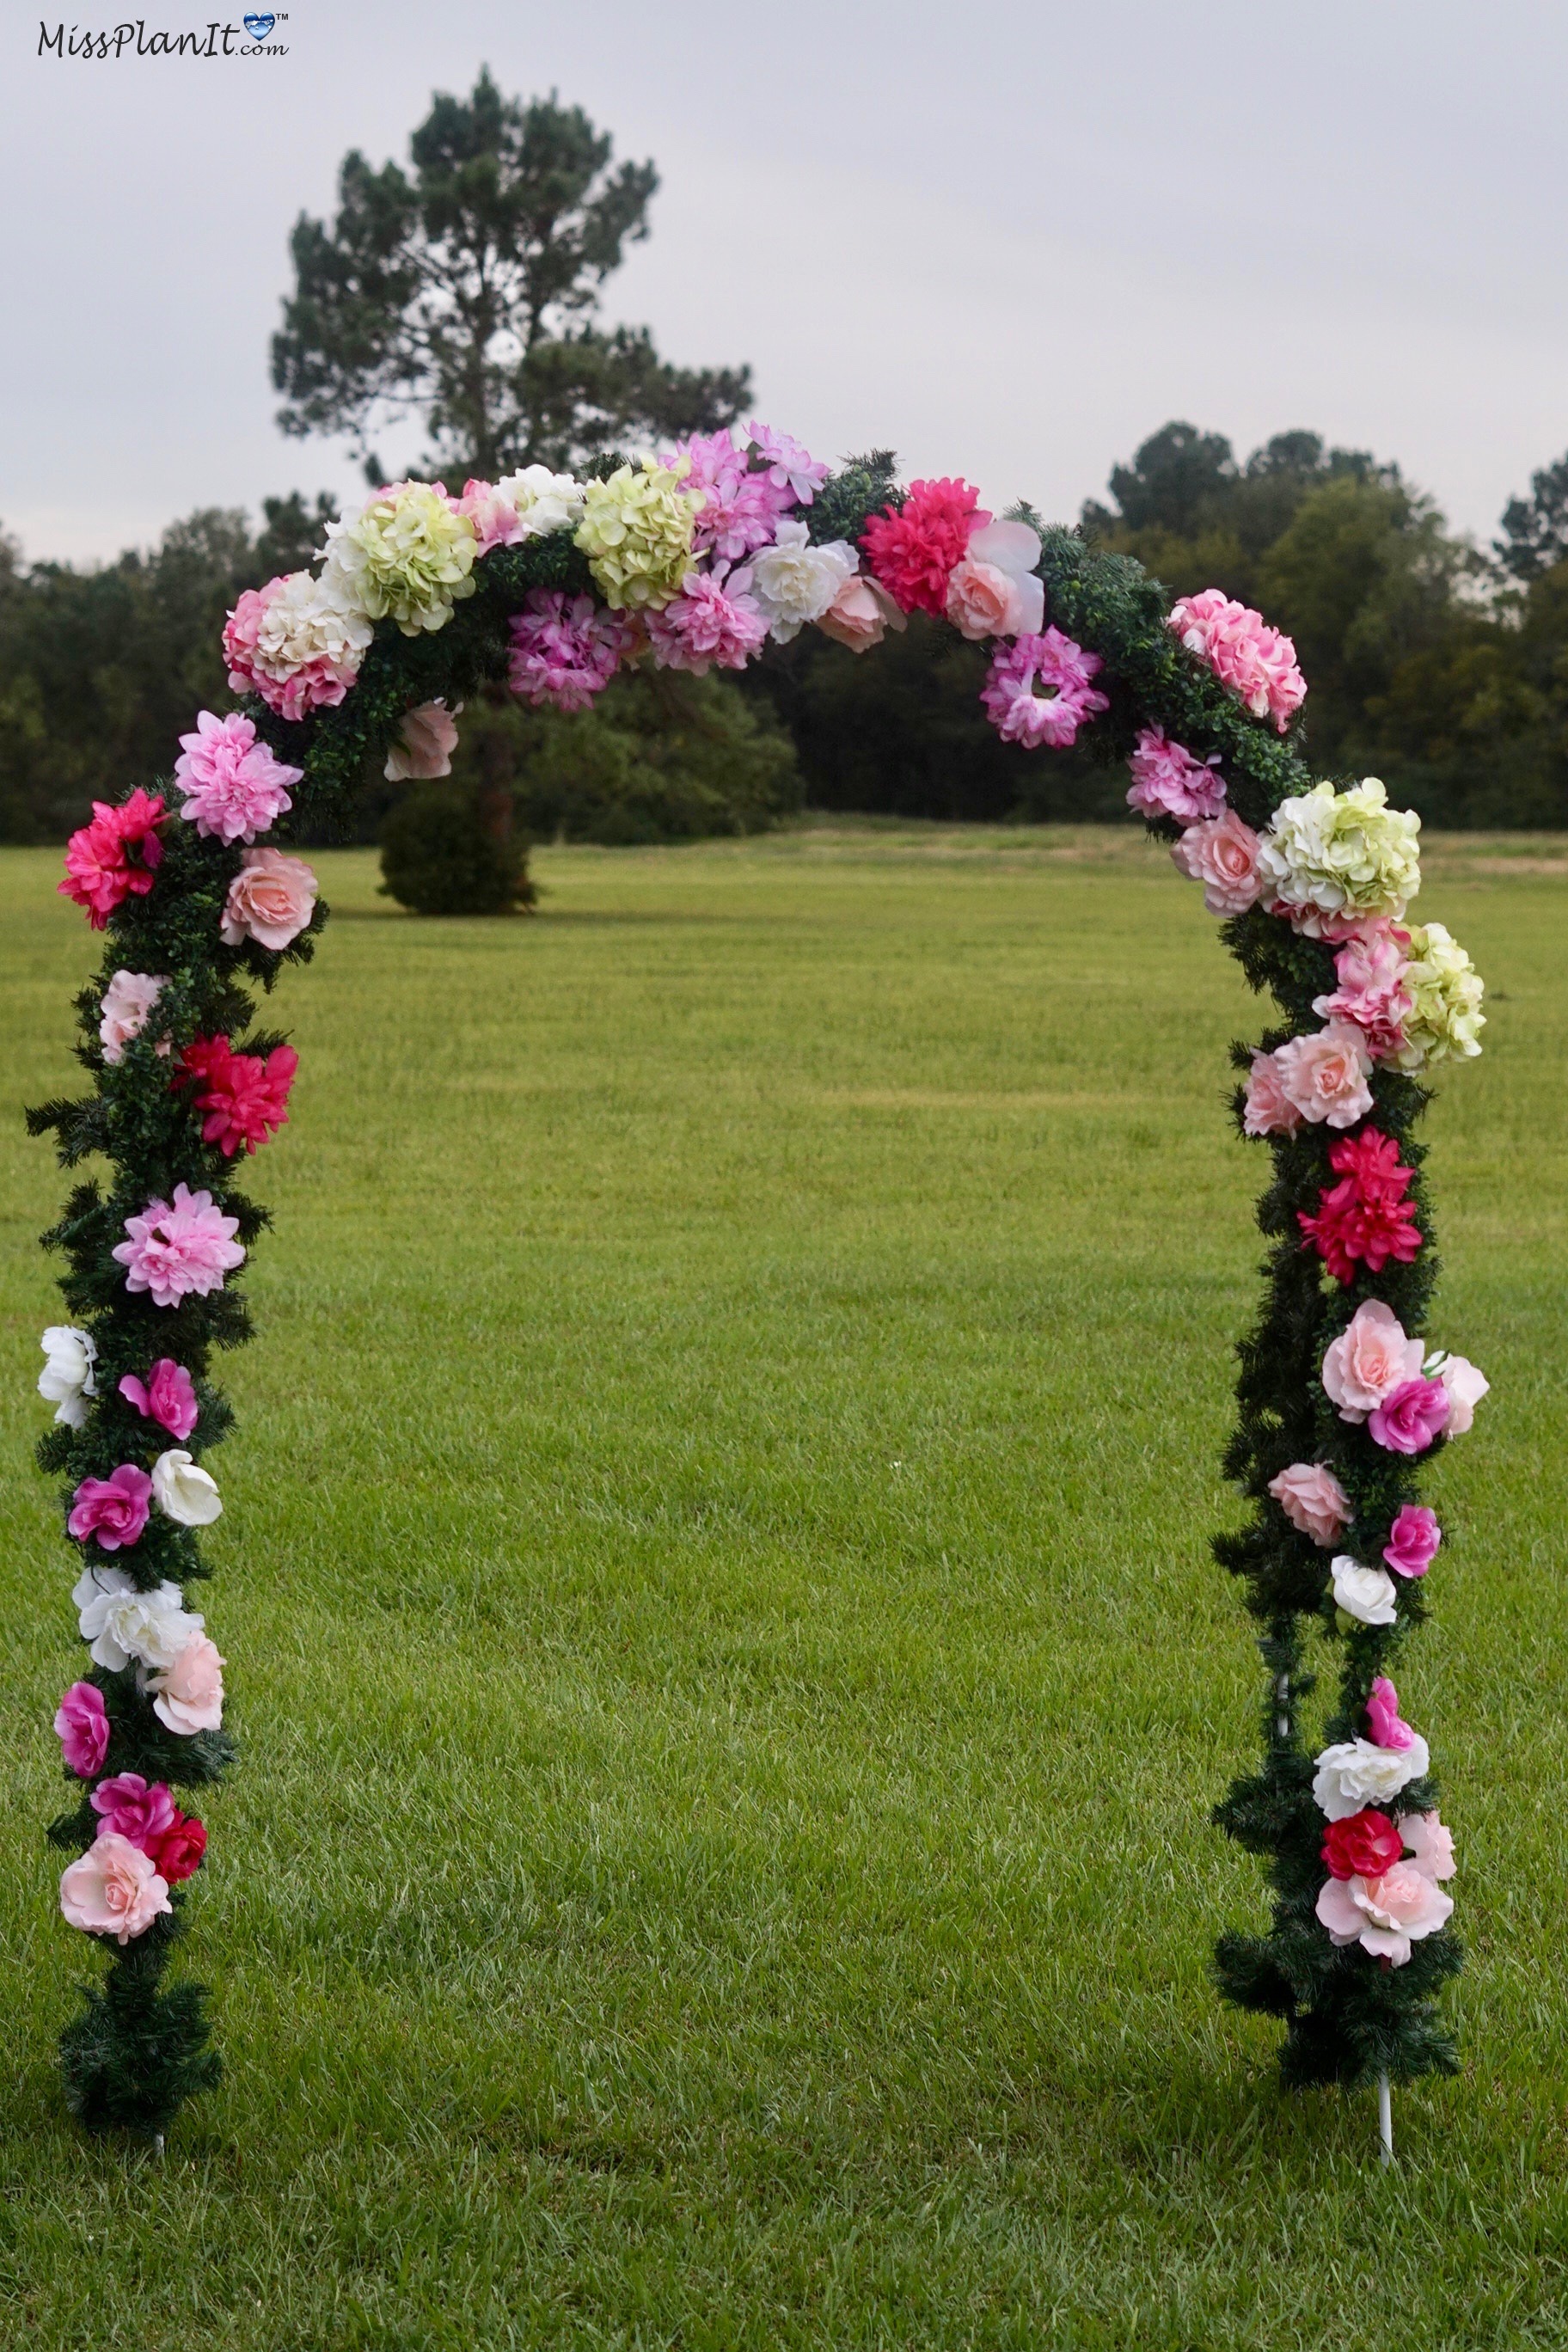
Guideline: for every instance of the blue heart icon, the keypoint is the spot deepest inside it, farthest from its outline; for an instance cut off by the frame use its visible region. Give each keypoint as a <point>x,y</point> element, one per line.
<point>259,26</point>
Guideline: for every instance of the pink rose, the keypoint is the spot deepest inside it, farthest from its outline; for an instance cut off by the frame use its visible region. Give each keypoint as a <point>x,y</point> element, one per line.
<point>1407,1421</point>
<point>167,1396</point>
<point>992,591</point>
<point>1313,1499</point>
<point>1385,1915</point>
<point>1325,1075</point>
<point>131,1808</point>
<point>1466,1388</point>
<point>82,1722</point>
<point>271,900</point>
<point>1431,1843</point>
<point>426,745</point>
<point>128,1002</point>
<point>1412,1540</point>
<point>1384,1725</point>
<point>1270,1110</point>
<point>861,614</point>
<point>1222,853</point>
<point>1371,1358</point>
<point>114,1509</point>
<point>190,1691</point>
<point>114,1890</point>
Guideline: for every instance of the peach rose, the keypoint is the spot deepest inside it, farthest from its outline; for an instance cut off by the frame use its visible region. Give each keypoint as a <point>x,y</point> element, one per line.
<point>1222,853</point>
<point>1313,1499</point>
<point>1270,1110</point>
<point>860,615</point>
<point>1371,1358</point>
<point>1385,1915</point>
<point>190,1691</point>
<point>1325,1075</point>
<point>426,745</point>
<point>114,1890</point>
<point>270,899</point>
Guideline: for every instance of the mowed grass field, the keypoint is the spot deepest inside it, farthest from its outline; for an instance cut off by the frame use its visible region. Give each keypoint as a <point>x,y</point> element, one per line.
<point>715,1585</point>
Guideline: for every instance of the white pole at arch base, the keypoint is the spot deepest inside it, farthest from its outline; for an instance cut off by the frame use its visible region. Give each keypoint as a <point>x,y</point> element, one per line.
<point>1384,2119</point>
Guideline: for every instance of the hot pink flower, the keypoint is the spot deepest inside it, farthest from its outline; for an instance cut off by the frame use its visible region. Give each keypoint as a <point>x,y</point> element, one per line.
<point>131,1808</point>
<point>425,744</point>
<point>167,1396</point>
<point>912,549</point>
<point>1245,654</point>
<point>1325,1075</point>
<point>1168,782</point>
<point>245,1097</point>
<point>861,614</point>
<point>1431,1843</point>
<point>712,622</point>
<point>1370,1359</point>
<point>1222,853</point>
<point>189,1694</point>
<point>1407,1421</point>
<point>127,1004</point>
<point>564,650</point>
<point>81,1723</point>
<point>1384,1727</point>
<point>1313,1500</point>
<point>1412,1540</point>
<point>1370,969</point>
<point>176,1249</point>
<point>234,786</point>
<point>1268,1109</point>
<point>1385,1915</point>
<point>1361,1845</point>
<point>179,1851</point>
<point>1022,716</point>
<point>114,1890</point>
<point>271,900</point>
<point>114,858</point>
<point>114,1509</point>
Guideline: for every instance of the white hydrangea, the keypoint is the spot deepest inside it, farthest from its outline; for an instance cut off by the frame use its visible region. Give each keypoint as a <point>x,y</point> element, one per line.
<point>794,581</point>
<point>1445,991</point>
<point>542,501</point>
<point>304,620</point>
<point>122,1624</point>
<point>407,553</point>
<point>1329,858</point>
<point>67,1380</point>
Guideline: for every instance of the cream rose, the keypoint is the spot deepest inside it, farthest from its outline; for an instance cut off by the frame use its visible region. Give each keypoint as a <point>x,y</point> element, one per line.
<point>1364,1593</point>
<point>67,1380</point>
<point>1355,1772</point>
<point>183,1491</point>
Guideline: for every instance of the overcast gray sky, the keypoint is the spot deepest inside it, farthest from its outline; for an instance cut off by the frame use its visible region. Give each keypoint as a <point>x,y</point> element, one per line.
<point>1008,241</point>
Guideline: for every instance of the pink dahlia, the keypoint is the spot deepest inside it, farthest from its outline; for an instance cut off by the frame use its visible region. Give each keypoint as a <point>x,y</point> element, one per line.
<point>565,649</point>
<point>167,1395</point>
<point>1255,662</point>
<point>1022,716</point>
<point>914,548</point>
<point>245,1097</point>
<point>1365,1218</point>
<point>1167,781</point>
<point>1370,967</point>
<point>712,622</point>
<point>234,787</point>
<point>114,858</point>
<point>295,645</point>
<point>178,1248</point>
<point>740,510</point>
<point>81,1725</point>
<point>111,1510</point>
<point>790,466</point>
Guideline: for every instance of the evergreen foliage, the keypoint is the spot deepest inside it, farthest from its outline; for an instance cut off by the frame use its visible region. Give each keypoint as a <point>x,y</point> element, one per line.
<point>442,853</point>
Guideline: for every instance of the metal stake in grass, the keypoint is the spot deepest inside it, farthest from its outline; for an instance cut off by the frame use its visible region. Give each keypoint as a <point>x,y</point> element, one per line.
<point>1385,2120</point>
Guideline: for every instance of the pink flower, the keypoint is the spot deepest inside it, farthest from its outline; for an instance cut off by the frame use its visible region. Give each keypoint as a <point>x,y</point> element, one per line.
<point>1466,1388</point>
<point>1385,1915</point>
<point>712,622</point>
<point>1369,1360</point>
<point>114,1509</point>
<point>1168,782</point>
<point>1370,967</point>
<point>564,650</point>
<point>176,1249</point>
<point>1268,1109</point>
<point>1412,1540</point>
<point>114,1890</point>
<point>1313,1500</point>
<point>494,516</point>
<point>425,745</point>
<point>131,1808</point>
<point>1325,1075</point>
<point>994,591</point>
<point>190,1691</point>
<point>245,1097</point>
<point>115,858</point>
<point>1384,1727</point>
<point>82,1722</point>
<point>1222,853</point>
<point>1431,1843</point>
<point>1022,716</point>
<point>914,549</point>
<point>1408,1419</point>
<point>271,900</point>
<point>861,614</point>
<point>167,1396</point>
<point>740,510</point>
<point>1245,654</point>
<point>234,787</point>
<point>790,466</point>
<point>295,645</point>
<point>127,1003</point>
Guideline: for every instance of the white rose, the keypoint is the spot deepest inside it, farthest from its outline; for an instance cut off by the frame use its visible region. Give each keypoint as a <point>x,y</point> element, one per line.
<point>67,1379</point>
<point>794,582</point>
<point>1356,1773</point>
<point>542,501</point>
<point>122,1623</point>
<point>182,1492</point>
<point>1366,1593</point>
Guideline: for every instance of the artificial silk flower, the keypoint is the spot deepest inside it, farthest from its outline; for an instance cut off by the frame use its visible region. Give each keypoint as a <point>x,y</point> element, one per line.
<point>125,1626</point>
<point>1331,860</point>
<point>1385,1915</point>
<point>188,1692</point>
<point>406,555</point>
<point>114,1890</point>
<point>1370,1359</point>
<point>1430,1842</point>
<point>792,581</point>
<point>1357,1772</point>
<point>425,743</point>
<point>1364,1593</point>
<point>1466,1388</point>
<point>185,1492</point>
<point>992,591</point>
<point>126,1007</point>
<point>111,1511</point>
<point>1313,1500</point>
<point>67,1380</point>
<point>1254,661</point>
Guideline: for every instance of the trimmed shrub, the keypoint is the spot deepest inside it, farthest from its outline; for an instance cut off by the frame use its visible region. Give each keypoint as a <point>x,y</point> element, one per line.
<point>448,849</point>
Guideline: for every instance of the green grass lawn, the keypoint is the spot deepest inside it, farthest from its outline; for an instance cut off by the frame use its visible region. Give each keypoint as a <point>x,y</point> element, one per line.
<point>731,1684</point>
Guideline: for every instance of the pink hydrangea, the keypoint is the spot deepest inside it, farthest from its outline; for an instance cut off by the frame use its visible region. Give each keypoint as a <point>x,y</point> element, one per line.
<point>1167,781</point>
<point>713,623</point>
<point>111,1510</point>
<point>565,649</point>
<point>167,1395</point>
<point>790,466</point>
<point>1018,713</point>
<point>740,510</point>
<point>180,1248</point>
<point>1255,662</point>
<point>1268,1109</point>
<point>81,1725</point>
<point>295,645</point>
<point>234,786</point>
<point>1370,967</point>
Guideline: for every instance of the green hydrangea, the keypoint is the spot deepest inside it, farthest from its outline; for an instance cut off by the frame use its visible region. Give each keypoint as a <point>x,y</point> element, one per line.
<point>408,554</point>
<point>1328,857</point>
<point>636,532</point>
<point>1446,991</point>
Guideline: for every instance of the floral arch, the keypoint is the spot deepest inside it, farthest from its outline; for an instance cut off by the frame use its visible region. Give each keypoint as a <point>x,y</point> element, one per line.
<point>695,561</point>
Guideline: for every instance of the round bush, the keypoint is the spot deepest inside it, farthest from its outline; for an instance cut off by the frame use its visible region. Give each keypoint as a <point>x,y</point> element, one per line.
<point>444,853</point>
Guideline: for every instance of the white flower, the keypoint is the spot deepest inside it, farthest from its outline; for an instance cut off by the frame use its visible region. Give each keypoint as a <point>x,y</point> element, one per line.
<point>1366,1593</point>
<point>794,582</point>
<point>541,501</point>
<point>67,1381</point>
<point>304,619</point>
<point>127,1002</point>
<point>122,1623</point>
<point>182,1492</point>
<point>1356,1773</point>
<point>1466,1385</point>
<point>1330,859</point>
<point>1446,994</point>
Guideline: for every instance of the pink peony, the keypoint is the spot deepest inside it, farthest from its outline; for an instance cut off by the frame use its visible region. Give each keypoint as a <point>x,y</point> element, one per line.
<point>715,622</point>
<point>1268,1109</point>
<point>1245,654</point>
<point>861,614</point>
<point>1022,716</point>
<point>114,1890</point>
<point>789,464</point>
<point>190,1691</point>
<point>564,650</point>
<point>994,591</point>
<point>1466,1388</point>
<point>1168,782</point>
<point>1222,853</point>
<point>425,744</point>
<point>234,787</point>
<point>1370,969</point>
<point>295,645</point>
<point>914,549</point>
<point>1384,1727</point>
<point>131,1808</point>
<point>178,1249</point>
<point>167,1396</point>
<point>1313,1500</point>
<point>1370,1359</point>
<point>271,900</point>
<point>1325,1075</point>
<point>1431,1843</point>
<point>1385,1915</point>
<point>1408,1419</point>
<point>740,510</point>
<point>115,858</point>
<point>81,1723</point>
<point>114,1509</point>
<point>1412,1540</point>
<point>128,1001</point>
